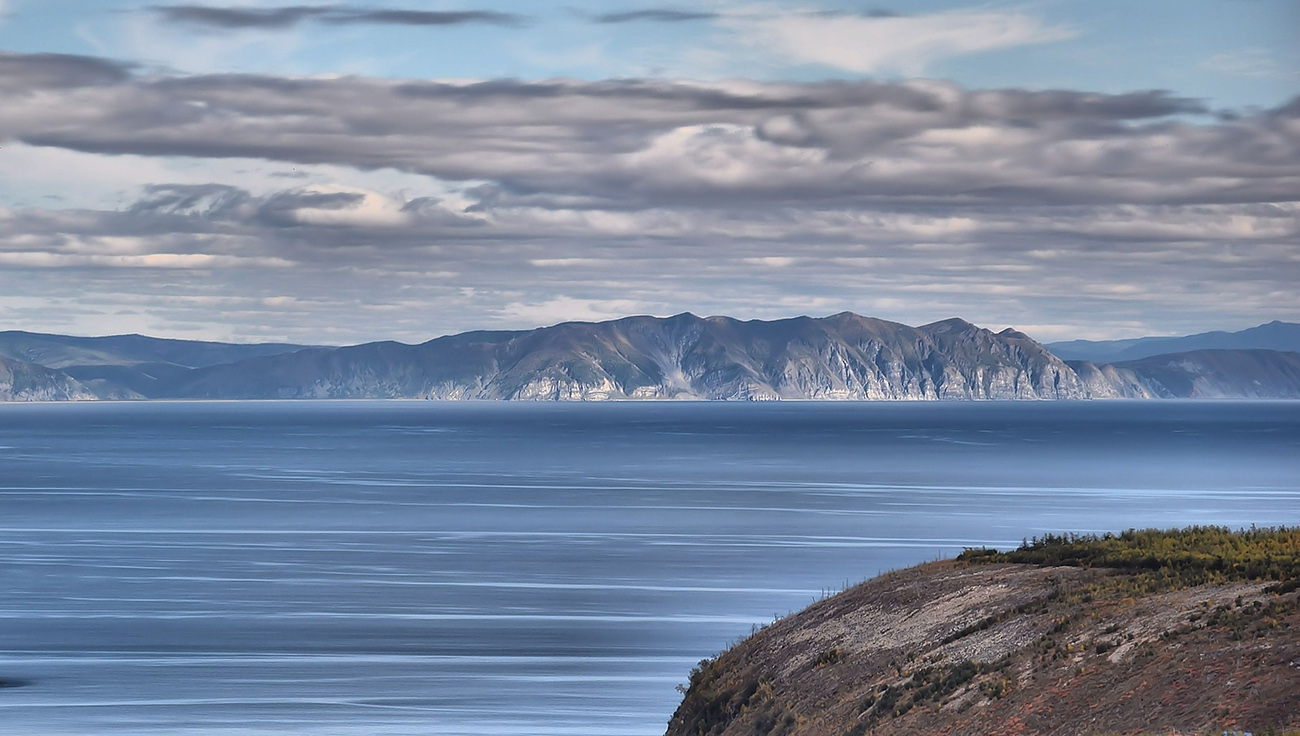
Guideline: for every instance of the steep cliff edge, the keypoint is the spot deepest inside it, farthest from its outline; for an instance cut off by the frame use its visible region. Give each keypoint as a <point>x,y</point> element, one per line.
<point>1177,638</point>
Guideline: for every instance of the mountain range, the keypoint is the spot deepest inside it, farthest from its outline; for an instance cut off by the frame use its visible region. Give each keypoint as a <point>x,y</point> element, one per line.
<point>840,357</point>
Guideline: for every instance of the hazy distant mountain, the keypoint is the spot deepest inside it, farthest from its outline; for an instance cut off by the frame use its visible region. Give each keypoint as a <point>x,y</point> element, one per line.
<point>123,365</point>
<point>844,356</point>
<point>21,381</point>
<point>1201,374</point>
<point>1284,336</point>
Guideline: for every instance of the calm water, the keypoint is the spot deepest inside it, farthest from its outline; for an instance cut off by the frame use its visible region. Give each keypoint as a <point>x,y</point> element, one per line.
<point>410,568</point>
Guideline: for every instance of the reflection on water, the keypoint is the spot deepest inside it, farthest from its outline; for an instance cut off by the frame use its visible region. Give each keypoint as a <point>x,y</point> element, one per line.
<point>409,568</point>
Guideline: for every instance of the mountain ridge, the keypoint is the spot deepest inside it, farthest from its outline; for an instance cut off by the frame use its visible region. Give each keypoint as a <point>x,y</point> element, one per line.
<point>125,366</point>
<point>843,356</point>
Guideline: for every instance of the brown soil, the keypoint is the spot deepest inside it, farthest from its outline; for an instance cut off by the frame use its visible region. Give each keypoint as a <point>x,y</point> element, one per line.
<point>951,648</point>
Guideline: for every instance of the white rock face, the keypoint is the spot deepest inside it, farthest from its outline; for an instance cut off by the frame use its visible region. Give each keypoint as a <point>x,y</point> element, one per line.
<point>30,382</point>
<point>1109,382</point>
<point>839,358</point>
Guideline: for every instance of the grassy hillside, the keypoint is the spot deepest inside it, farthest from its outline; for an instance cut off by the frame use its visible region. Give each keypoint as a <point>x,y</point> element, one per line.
<point>1169,559</point>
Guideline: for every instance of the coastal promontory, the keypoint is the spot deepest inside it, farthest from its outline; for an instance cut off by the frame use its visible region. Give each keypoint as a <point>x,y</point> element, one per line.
<point>1191,632</point>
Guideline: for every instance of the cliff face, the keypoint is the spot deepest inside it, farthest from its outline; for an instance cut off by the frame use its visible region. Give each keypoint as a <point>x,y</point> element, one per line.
<point>21,381</point>
<point>1106,381</point>
<point>950,648</point>
<point>844,356</point>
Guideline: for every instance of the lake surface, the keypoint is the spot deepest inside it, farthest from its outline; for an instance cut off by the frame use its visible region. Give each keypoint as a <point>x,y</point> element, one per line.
<point>431,568</point>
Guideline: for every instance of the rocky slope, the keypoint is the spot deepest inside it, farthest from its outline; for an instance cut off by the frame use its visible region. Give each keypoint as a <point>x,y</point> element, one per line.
<point>21,381</point>
<point>956,648</point>
<point>844,356</point>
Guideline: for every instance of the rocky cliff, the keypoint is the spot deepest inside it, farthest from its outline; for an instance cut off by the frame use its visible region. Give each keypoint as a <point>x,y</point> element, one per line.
<point>21,381</point>
<point>844,356</point>
<point>969,648</point>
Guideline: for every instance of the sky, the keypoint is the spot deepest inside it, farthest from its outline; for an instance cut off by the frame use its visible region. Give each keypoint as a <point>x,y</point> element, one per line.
<point>340,172</point>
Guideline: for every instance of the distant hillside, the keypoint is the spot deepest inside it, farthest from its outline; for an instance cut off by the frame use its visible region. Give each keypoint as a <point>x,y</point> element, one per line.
<point>1283,336</point>
<point>128,365</point>
<point>844,356</point>
<point>1203,374</point>
<point>1187,632</point>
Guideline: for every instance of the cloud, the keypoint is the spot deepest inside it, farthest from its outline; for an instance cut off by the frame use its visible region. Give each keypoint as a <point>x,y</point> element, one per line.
<point>426,17</point>
<point>657,15</point>
<point>35,175</point>
<point>441,269</point>
<point>235,18</point>
<point>913,200</point>
<point>205,200</point>
<point>566,308</point>
<point>22,72</point>
<point>325,206</point>
<point>336,207</point>
<point>641,143</point>
<point>1251,62</point>
<point>190,261</point>
<point>879,42</point>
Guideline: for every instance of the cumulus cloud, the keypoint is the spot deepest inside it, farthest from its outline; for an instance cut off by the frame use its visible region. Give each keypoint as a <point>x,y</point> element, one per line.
<point>877,42</point>
<point>233,18</point>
